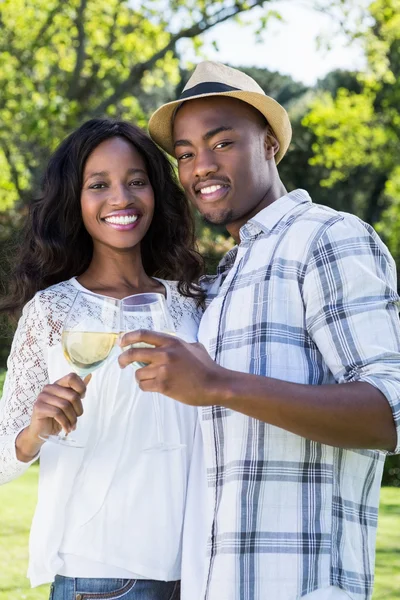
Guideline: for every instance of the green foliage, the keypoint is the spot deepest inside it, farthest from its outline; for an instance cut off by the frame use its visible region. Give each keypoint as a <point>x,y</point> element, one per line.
<point>349,134</point>
<point>213,246</point>
<point>2,377</point>
<point>391,474</point>
<point>357,130</point>
<point>64,62</point>
<point>389,225</point>
<point>61,63</point>
<point>339,79</point>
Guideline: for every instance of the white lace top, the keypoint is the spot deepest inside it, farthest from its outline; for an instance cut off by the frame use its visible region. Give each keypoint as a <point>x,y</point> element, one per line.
<point>108,503</point>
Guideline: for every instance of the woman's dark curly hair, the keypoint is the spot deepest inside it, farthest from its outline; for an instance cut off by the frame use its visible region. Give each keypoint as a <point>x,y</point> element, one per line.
<point>55,244</point>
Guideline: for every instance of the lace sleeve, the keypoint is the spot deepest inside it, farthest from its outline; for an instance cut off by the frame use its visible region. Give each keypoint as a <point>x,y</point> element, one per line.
<point>26,376</point>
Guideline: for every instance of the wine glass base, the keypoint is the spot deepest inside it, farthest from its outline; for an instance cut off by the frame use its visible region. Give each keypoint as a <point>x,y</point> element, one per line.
<point>164,448</point>
<point>61,440</point>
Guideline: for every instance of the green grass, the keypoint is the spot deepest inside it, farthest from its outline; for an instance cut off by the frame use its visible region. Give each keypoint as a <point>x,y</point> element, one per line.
<point>387,572</point>
<point>17,502</point>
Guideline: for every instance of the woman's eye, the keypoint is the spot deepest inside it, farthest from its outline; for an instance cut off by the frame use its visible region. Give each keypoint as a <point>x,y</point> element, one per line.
<point>97,186</point>
<point>137,182</point>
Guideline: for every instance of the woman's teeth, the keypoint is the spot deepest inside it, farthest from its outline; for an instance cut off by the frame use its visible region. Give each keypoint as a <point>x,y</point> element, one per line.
<point>125,220</point>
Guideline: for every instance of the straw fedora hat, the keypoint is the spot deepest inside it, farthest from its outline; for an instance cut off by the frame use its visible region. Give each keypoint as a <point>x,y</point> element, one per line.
<point>214,79</point>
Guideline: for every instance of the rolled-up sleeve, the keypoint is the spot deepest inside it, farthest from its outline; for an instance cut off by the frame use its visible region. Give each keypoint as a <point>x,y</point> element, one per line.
<point>351,303</point>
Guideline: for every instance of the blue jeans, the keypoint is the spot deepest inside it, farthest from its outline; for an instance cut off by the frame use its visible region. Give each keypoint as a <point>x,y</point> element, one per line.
<point>69,588</point>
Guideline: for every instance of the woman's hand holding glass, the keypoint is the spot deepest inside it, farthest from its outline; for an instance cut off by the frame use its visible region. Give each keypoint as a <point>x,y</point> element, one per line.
<point>58,406</point>
<point>90,332</point>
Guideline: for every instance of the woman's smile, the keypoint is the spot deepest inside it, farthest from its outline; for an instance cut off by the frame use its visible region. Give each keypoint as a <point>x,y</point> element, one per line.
<point>123,220</point>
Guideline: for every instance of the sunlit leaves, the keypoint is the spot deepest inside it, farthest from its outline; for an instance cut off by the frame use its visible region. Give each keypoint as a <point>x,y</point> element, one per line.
<point>389,225</point>
<point>349,133</point>
<point>63,62</point>
<point>362,130</point>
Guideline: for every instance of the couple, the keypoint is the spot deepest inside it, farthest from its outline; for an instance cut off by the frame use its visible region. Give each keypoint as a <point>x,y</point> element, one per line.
<point>275,494</point>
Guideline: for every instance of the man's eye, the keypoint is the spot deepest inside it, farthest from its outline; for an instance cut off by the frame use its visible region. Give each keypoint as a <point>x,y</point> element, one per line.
<point>223,144</point>
<point>184,156</point>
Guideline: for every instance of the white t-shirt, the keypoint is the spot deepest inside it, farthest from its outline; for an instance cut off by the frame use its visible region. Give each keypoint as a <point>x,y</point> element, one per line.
<point>108,507</point>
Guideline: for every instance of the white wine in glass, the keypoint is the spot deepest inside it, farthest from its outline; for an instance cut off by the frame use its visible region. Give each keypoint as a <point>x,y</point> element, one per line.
<point>90,333</point>
<point>149,311</point>
<point>87,350</point>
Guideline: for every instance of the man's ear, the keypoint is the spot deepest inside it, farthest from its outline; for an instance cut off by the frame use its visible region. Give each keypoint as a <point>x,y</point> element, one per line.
<point>271,144</point>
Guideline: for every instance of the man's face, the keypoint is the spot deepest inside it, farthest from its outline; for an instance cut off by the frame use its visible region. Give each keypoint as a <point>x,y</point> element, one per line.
<point>225,159</point>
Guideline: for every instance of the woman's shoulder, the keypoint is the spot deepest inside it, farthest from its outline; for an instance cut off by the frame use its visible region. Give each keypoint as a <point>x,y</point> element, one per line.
<point>54,294</point>
<point>182,307</point>
<point>52,306</point>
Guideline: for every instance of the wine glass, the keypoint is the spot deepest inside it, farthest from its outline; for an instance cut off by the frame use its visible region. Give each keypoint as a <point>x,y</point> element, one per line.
<point>90,332</point>
<point>149,311</point>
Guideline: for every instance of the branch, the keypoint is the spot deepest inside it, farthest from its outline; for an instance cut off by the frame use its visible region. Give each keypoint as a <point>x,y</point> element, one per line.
<point>373,210</point>
<point>81,52</point>
<point>39,41</point>
<point>198,28</point>
<point>25,55</point>
<point>84,91</point>
<point>113,28</point>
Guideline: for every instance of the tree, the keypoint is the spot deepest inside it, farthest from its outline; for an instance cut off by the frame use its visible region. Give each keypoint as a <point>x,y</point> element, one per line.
<point>64,62</point>
<point>357,131</point>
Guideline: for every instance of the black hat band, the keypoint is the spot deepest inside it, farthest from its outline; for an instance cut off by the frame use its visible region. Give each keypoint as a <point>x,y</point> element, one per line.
<point>209,87</point>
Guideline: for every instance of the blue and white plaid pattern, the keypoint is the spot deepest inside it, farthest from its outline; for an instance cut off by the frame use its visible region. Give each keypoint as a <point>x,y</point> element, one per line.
<point>309,296</point>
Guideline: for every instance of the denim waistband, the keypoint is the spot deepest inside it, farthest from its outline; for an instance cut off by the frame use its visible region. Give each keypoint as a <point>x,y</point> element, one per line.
<point>69,588</point>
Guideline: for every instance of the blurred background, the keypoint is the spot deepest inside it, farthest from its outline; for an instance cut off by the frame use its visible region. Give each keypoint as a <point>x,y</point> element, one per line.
<point>333,64</point>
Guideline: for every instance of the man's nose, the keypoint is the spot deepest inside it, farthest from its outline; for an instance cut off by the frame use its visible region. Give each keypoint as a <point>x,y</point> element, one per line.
<point>205,164</point>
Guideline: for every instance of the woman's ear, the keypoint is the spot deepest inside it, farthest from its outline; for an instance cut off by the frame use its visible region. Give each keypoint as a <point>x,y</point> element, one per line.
<point>271,144</point>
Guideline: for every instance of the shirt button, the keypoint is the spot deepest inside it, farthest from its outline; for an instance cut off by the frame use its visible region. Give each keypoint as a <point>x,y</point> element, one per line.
<point>79,597</point>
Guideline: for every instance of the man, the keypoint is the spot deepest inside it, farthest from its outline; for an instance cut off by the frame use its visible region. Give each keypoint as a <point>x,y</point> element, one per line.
<point>305,301</point>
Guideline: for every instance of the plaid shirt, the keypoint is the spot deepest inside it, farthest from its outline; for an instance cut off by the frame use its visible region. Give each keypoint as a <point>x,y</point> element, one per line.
<point>309,296</point>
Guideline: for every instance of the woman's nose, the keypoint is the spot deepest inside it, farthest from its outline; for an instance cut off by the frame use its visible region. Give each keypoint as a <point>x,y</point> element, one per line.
<point>120,196</point>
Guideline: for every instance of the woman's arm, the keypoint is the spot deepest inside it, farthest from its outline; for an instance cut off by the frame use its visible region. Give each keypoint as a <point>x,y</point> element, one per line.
<point>26,376</point>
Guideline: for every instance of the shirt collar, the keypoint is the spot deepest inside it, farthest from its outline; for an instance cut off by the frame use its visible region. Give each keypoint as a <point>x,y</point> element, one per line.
<point>267,219</point>
<point>227,261</point>
<point>264,222</point>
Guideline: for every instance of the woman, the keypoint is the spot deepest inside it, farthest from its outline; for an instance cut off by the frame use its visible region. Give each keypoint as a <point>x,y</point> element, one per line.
<point>111,220</point>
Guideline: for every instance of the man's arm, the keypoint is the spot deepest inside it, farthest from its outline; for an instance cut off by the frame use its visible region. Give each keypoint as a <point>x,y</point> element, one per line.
<point>350,303</point>
<point>351,415</point>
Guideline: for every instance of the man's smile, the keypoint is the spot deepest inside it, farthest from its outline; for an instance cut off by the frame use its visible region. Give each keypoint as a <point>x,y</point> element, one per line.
<point>211,191</point>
